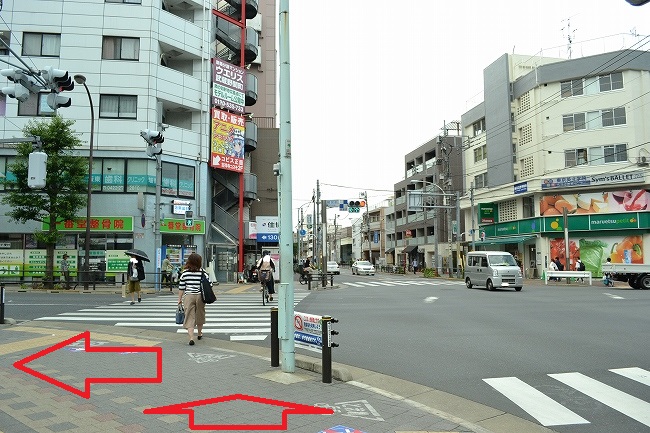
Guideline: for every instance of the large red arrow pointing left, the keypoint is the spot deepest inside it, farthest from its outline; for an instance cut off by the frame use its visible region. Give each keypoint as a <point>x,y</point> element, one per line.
<point>85,393</point>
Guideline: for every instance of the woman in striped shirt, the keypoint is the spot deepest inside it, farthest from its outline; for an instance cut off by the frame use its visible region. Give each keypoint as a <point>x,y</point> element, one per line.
<point>189,293</point>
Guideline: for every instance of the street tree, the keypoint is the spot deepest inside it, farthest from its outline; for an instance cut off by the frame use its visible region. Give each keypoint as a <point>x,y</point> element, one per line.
<point>65,189</point>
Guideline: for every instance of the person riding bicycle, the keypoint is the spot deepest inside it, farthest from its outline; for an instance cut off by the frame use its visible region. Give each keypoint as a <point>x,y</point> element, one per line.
<point>266,268</point>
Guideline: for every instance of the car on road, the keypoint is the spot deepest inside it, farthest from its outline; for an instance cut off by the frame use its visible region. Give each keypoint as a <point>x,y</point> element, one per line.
<point>363,267</point>
<point>333,267</point>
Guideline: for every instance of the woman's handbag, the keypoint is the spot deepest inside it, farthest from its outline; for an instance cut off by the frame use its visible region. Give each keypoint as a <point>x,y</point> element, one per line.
<point>207,294</point>
<point>180,314</point>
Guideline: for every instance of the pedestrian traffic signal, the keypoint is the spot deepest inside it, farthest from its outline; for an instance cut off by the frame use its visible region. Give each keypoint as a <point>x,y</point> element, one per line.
<point>354,206</point>
<point>37,170</point>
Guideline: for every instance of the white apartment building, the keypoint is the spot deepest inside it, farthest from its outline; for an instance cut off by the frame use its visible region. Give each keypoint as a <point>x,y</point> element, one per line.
<point>148,65</point>
<point>554,134</point>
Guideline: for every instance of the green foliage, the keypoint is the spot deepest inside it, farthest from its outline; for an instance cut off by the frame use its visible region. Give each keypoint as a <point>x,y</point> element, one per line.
<point>66,181</point>
<point>430,273</point>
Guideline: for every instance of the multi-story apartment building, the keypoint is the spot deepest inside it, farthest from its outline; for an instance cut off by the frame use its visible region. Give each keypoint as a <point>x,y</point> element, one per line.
<point>433,170</point>
<point>149,64</point>
<point>555,134</point>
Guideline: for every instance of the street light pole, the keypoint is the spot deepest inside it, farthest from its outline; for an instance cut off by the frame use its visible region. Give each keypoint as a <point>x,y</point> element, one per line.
<point>80,79</point>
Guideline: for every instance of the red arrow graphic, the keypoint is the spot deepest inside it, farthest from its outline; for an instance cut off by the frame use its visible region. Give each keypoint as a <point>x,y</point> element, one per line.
<point>85,393</point>
<point>187,408</point>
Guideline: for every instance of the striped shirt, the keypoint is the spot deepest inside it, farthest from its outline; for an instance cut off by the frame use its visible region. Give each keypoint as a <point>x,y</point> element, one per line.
<point>190,282</point>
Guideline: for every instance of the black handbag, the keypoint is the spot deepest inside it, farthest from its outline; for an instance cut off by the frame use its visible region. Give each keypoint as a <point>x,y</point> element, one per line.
<point>180,314</point>
<point>207,294</point>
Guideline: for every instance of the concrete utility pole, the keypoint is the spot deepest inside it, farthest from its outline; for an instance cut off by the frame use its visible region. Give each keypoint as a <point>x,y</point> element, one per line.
<point>365,197</point>
<point>286,290</point>
<point>471,200</point>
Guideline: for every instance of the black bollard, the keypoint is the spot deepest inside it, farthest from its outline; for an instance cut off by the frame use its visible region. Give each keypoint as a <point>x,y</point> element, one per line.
<point>275,340</point>
<point>2,303</point>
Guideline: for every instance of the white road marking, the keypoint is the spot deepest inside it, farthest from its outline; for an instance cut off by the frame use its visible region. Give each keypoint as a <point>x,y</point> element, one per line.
<point>634,373</point>
<point>430,299</point>
<point>613,296</point>
<point>541,407</point>
<point>626,404</point>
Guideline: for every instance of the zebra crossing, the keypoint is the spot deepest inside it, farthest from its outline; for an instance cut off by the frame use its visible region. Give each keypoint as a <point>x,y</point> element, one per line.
<point>241,317</point>
<point>393,283</point>
<point>549,412</point>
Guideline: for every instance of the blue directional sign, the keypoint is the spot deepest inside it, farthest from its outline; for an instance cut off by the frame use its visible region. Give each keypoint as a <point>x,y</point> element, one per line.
<point>268,237</point>
<point>303,232</point>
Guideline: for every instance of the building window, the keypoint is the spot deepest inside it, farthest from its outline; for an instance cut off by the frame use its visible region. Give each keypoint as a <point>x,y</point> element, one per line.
<point>573,122</point>
<point>607,154</point>
<point>35,105</point>
<point>478,127</point>
<point>113,175</point>
<point>525,134</point>
<point>118,106</point>
<point>528,207</point>
<point>575,157</point>
<point>5,36</point>
<point>118,48</point>
<point>611,82</point>
<point>141,176</point>
<point>571,88</point>
<point>41,44</point>
<point>480,153</point>
<point>177,180</point>
<point>615,116</point>
<point>480,181</point>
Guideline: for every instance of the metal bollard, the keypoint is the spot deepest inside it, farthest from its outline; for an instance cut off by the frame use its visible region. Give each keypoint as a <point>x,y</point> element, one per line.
<point>326,347</point>
<point>2,303</point>
<point>275,340</point>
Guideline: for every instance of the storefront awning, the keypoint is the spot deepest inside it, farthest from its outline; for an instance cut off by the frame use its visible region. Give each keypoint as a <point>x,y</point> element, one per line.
<point>390,250</point>
<point>504,240</point>
<point>409,249</point>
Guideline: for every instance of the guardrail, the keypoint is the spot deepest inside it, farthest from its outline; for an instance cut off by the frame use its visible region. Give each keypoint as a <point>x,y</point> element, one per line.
<point>568,275</point>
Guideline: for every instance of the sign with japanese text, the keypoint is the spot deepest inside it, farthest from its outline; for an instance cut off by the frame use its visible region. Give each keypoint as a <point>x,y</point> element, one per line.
<point>97,224</point>
<point>116,261</point>
<point>631,200</point>
<point>11,263</point>
<point>591,180</point>
<point>228,86</point>
<point>487,213</point>
<point>177,225</point>
<point>227,144</point>
<point>307,329</point>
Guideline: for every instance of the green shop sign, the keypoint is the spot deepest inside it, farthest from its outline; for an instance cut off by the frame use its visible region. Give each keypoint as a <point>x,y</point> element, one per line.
<point>172,225</point>
<point>97,224</point>
<point>487,213</point>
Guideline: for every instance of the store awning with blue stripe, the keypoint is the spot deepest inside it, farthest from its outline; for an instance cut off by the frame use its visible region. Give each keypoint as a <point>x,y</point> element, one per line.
<point>505,240</point>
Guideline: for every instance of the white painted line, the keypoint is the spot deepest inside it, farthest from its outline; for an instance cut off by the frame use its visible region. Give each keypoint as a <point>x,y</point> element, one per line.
<point>383,283</point>
<point>248,337</point>
<point>228,331</point>
<point>626,404</point>
<point>368,284</point>
<point>541,407</point>
<point>613,296</point>
<point>170,323</point>
<point>634,373</point>
<point>430,299</point>
<point>354,285</point>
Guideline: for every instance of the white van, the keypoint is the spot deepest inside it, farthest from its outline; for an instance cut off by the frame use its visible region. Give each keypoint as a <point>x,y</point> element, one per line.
<point>491,269</point>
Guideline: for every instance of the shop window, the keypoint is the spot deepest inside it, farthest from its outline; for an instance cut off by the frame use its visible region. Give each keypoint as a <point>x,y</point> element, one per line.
<point>141,176</point>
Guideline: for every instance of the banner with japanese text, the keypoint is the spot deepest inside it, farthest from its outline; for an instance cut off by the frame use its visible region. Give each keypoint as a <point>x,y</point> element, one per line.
<point>227,144</point>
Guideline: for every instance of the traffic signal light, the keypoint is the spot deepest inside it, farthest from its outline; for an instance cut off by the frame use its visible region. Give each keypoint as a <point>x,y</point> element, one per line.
<point>57,80</point>
<point>24,84</point>
<point>37,170</point>
<point>354,206</point>
<point>153,139</point>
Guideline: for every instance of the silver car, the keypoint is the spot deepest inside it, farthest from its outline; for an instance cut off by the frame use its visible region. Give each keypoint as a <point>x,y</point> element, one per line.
<point>333,268</point>
<point>363,267</point>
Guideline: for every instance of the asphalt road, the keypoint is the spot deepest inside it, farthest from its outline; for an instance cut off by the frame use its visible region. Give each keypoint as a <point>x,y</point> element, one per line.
<point>452,338</point>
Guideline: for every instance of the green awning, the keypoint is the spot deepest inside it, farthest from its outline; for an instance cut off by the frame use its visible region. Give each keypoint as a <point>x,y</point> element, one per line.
<point>504,240</point>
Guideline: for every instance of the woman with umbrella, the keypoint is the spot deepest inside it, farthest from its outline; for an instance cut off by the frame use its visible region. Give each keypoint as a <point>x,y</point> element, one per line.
<point>135,272</point>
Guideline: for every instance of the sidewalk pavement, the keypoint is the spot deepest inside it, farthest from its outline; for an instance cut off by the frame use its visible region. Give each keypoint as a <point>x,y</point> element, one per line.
<point>222,385</point>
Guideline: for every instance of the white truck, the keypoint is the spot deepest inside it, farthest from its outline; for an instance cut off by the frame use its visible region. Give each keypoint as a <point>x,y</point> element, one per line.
<point>636,275</point>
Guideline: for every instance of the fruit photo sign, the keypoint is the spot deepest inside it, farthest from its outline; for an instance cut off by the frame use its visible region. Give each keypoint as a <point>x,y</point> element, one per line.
<point>632,200</point>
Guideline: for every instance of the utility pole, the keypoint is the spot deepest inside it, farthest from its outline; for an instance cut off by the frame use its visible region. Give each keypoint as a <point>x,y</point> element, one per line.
<point>471,200</point>
<point>365,197</point>
<point>323,242</point>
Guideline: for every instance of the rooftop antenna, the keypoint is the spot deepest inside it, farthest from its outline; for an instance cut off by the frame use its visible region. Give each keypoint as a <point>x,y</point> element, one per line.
<point>569,34</point>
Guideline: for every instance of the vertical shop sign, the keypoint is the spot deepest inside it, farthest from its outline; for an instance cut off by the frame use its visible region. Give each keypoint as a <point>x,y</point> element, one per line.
<point>227,146</point>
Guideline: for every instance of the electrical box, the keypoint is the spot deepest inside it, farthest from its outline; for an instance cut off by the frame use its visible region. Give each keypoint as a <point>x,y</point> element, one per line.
<point>37,170</point>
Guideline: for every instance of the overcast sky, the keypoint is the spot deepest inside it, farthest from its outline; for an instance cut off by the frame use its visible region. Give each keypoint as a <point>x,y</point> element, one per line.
<point>372,80</point>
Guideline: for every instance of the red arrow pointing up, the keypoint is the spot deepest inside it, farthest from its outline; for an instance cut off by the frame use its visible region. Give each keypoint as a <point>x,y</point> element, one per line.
<point>187,408</point>
<point>85,393</point>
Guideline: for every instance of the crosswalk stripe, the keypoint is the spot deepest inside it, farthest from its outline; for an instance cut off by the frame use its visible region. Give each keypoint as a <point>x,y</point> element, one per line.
<point>368,284</point>
<point>541,407</point>
<point>634,373</point>
<point>354,284</point>
<point>626,404</point>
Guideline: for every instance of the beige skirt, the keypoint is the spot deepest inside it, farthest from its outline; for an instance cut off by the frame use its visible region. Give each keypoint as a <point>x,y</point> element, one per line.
<point>194,310</point>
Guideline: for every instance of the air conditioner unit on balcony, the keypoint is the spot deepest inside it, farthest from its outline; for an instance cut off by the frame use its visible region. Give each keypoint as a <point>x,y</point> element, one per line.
<point>255,23</point>
<point>258,59</point>
<point>643,159</point>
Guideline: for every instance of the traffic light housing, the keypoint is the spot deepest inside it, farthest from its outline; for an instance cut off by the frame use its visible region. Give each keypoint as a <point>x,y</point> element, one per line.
<point>57,80</point>
<point>37,170</point>
<point>153,139</point>
<point>354,206</point>
<point>24,84</point>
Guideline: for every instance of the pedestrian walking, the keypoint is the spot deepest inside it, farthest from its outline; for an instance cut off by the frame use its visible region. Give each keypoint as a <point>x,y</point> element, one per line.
<point>65,271</point>
<point>189,294</point>
<point>266,268</point>
<point>415,265</point>
<point>553,267</point>
<point>580,267</point>
<point>167,268</point>
<point>135,271</point>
